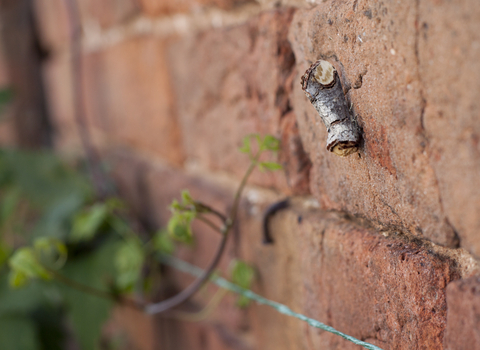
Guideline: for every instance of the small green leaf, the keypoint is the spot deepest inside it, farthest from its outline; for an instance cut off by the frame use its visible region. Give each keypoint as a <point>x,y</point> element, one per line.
<point>179,227</point>
<point>270,143</point>
<point>87,223</point>
<point>163,243</point>
<point>186,198</point>
<point>246,147</point>
<point>129,260</point>
<point>51,251</point>
<point>17,279</point>
<point>175,206</point>
<point>272,166</point>
<point>243,275</point>
<point>24,264</point>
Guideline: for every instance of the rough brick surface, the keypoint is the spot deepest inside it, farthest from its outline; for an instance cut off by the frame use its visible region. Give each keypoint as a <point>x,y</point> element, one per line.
<point>52,22</point>
<point>229,83</point>
<point>391,181</point>
<point>386,289</point>
<point>449,55</point>
<point>162,7</point>
<point>128,96</point>
<point>463,315</point>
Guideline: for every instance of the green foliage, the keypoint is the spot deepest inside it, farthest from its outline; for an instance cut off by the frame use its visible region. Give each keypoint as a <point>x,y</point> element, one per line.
<point>242,274</point>
<point>24,266</point>
<point>50,252</point>
<point>129,260</point>
<point>272,166</point>
<point>88,222</point>
<point>267,143</point>
<point>180,226</point>
<point>18,333</point>
<point>163,243</point>
<point>87,312</point>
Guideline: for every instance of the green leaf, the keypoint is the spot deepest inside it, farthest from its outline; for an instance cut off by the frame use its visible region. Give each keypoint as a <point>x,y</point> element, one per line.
<point>51,251</point>
<point>25,265</point>
<point>163,243</point>
<point>88,312</point>
<point>129,260</point>
<point>18,332</point>
<point>87,223</point>
<point>242,274</point>
<point>270,143</point>
<point>186,198</point>
<point>17,279</point>
<point>271,166</point>
<point>246,147</point>
<point>179,227</point>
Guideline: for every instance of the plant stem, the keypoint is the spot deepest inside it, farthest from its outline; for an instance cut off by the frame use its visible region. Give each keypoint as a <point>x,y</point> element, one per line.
<point>209,223</point>
<point>203,278</point>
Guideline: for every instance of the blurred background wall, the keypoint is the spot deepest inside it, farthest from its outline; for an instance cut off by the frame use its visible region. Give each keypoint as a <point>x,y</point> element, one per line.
<point>382,245</point>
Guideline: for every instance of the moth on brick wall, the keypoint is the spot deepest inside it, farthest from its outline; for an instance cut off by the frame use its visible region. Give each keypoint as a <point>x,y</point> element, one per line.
<point>323,88</point>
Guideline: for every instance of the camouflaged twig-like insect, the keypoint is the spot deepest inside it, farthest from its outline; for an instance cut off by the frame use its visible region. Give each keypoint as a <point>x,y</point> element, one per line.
<point>323,88</point>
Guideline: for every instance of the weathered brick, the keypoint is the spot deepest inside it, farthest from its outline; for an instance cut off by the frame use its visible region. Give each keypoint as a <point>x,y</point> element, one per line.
<point>448,38</point>
<point>463,315</point>
<point>391,180</point>
<point>107,12</point>
<point>54,23</point>
<point>162,7</point>
<point>231,82</point>
<point>387,289</point>
<point>58,86</point>
<point>129,97</point>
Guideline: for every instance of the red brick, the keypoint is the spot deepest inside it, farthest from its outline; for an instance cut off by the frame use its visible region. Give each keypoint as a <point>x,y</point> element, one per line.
<point>387,289</point>
<point>54,24</point>
<point>231,82</point>
<point>390,291</point>
<point>129,97</point>
<point>449,56</point>
<point>463,315</point>
<point>391,181</point>
<point>162,7</point>
<point>58,87</point>
<point>107,12</point>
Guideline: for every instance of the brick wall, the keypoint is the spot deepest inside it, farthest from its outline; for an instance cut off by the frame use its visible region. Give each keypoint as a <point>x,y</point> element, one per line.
<point>372,240</point>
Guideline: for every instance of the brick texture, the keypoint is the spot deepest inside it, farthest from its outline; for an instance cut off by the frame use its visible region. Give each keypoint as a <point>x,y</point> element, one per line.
<point>449,55</point>
<point>386,247</point>
<point>387,289</point>
<point>376,49</point>
<point>129,97</point>
<point>463,326</point>
<point>162,7</point>
<point>239,83</point>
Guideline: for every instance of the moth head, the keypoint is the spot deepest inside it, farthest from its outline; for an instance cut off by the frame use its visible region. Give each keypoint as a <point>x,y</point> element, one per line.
<point>324,73</point>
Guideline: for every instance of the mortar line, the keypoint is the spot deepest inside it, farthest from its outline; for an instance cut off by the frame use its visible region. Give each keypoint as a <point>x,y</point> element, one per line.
<point>95,38</point>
